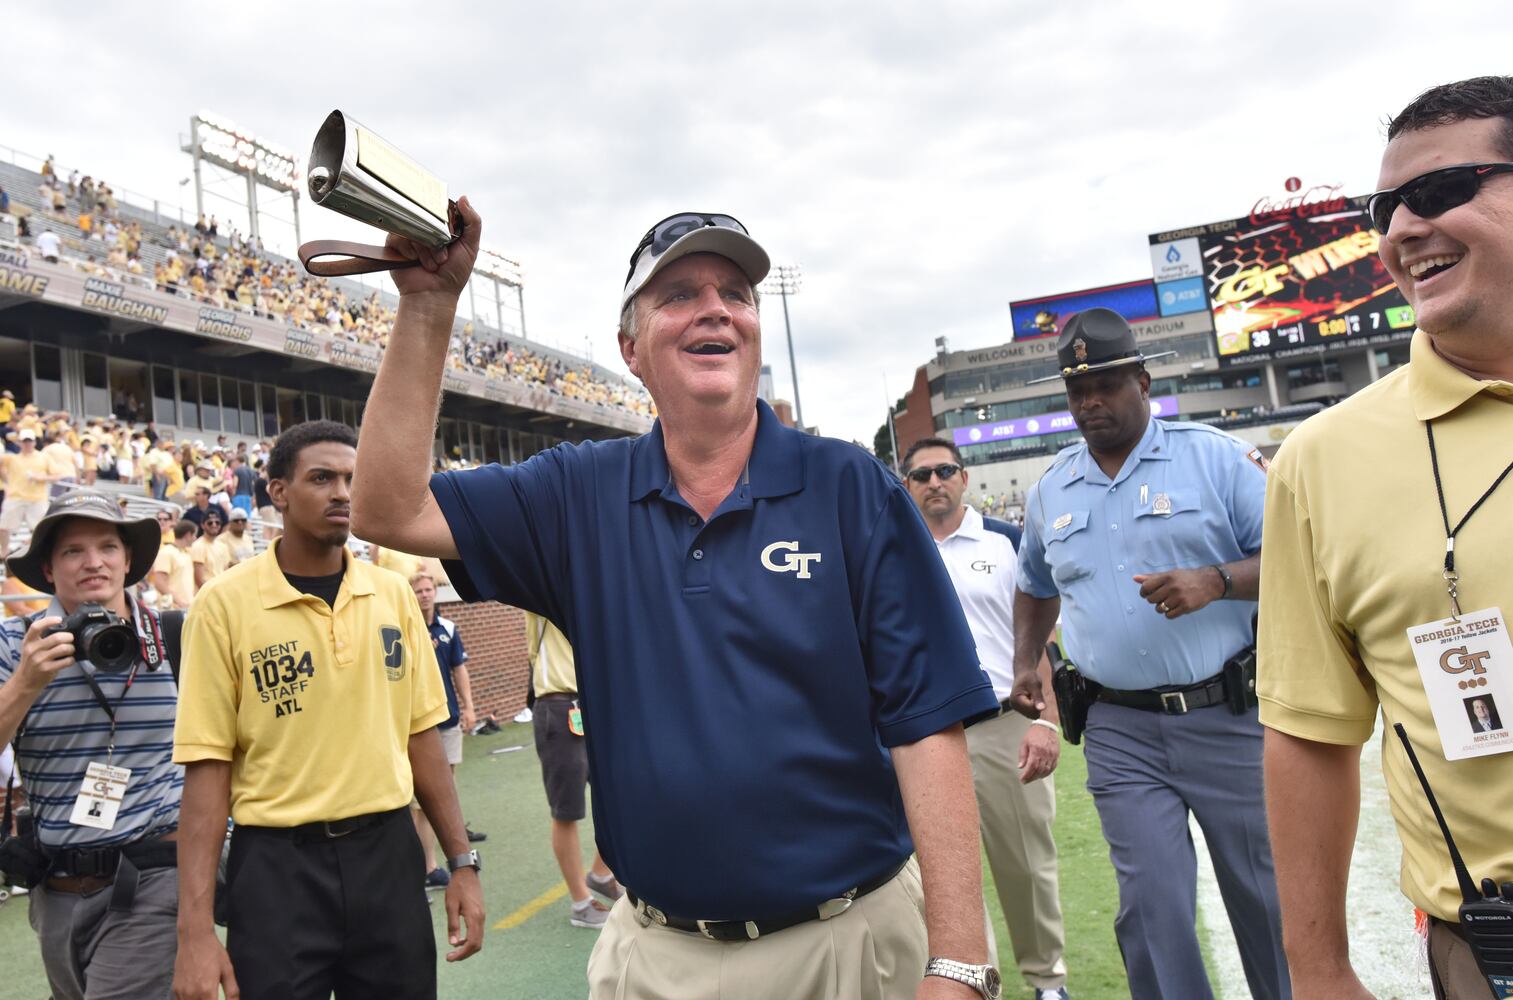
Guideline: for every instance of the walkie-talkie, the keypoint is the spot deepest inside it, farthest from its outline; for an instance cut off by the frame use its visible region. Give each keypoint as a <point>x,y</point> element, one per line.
<point>1486,917</point>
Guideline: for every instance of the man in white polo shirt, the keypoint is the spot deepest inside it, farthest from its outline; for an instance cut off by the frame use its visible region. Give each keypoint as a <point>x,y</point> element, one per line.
<point>1012,757</point>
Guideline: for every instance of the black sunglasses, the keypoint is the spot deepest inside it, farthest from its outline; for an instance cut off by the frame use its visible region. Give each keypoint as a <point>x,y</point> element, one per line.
<point>1432,194</point>
<point>944,471</point>
<point>667,232</point>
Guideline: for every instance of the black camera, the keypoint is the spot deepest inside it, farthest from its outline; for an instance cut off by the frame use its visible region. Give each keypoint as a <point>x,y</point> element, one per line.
<point>102,637</point>
<point>22,860</point>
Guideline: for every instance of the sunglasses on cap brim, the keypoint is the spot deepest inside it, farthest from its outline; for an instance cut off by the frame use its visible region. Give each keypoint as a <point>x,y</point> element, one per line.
<point>1432,194</point>
<point>673,228</point>
<point>943,472</point>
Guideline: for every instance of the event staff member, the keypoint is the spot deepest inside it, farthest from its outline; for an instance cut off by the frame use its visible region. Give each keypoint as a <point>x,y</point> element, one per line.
<point>1012,756</point>
<point>557,721</point>
<point>1342,613</point>
<point>1147,538</point>
<point>755,613</point>
<point>452,664</point>
<point>310,699</point>
<point>104,913</point>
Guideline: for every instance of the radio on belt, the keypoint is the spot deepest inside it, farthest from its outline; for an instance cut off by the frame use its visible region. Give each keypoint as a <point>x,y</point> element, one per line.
<point>1486,916</point>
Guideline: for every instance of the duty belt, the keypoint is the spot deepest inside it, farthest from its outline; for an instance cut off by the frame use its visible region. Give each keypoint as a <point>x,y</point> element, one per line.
<point>750,930</point>
<point>1170,701</point>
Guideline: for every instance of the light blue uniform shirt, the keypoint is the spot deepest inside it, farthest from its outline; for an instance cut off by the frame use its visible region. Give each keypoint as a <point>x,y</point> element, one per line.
<point>1188,496</point>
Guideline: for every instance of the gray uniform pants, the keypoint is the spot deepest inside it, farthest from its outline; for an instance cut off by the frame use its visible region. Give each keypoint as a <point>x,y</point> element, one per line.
<point>1147,772</point>
<point>90,953</point>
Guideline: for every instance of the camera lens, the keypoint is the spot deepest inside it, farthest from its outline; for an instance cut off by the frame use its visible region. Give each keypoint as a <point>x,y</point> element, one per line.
<point>111,648</point>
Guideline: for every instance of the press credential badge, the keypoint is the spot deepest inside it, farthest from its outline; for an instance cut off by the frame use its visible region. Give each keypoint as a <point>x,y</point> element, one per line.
<point>100,796</point>
<point>1467,667</point>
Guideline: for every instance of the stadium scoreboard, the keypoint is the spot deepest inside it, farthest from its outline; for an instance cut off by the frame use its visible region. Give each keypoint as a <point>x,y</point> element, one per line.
<point>1286,282</point>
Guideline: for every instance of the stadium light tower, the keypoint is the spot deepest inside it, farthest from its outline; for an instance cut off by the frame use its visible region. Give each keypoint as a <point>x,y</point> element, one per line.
<point>785,280</point>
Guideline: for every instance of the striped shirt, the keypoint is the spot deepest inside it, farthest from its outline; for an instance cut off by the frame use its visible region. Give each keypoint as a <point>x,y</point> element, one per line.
<point>66,729</point>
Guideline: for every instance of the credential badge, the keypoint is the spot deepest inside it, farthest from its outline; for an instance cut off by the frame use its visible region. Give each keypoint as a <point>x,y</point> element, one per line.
<point>1079,349</point>
<point>1162,505</point>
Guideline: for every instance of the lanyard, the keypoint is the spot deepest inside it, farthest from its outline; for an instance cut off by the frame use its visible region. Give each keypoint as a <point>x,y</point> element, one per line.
<point>152,645</point>
<point>1451,576</point>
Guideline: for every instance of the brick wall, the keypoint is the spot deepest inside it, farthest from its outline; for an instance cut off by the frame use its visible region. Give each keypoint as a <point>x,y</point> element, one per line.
<point>494,636</point>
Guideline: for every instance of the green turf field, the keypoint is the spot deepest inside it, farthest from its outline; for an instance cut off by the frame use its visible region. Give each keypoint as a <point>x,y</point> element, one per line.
<point>531,952</point>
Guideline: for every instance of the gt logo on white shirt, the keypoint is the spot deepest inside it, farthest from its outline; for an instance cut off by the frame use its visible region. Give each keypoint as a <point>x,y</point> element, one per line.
<point>798,562</point>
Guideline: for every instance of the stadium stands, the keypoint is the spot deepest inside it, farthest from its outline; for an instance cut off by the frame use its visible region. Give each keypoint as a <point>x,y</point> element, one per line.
<point>100,235</point>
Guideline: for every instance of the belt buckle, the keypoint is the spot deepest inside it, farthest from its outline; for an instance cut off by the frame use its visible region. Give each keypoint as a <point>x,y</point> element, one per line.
<point>656,914</point>
<point>1177,698</point>
<point>835,907</point>
<point>328,827</point>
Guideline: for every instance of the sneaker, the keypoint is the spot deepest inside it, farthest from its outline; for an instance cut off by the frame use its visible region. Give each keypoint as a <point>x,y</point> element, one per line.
<point>437,878</point>
<point>474,837</point>
<point>18,890</point>
<point>524,715</point>
<point>590,913</point>
<point>1059,993</point>
<point>606,887</point>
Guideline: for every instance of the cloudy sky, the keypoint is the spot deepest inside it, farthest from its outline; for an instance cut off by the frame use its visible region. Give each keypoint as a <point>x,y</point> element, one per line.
<point>923,163</point>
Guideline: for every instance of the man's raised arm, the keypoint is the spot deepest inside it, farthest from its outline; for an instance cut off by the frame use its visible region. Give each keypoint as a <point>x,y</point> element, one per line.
<point>392,503</point>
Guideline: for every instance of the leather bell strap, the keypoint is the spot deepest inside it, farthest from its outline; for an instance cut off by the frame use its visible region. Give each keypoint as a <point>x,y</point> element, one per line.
<point>349,258</point>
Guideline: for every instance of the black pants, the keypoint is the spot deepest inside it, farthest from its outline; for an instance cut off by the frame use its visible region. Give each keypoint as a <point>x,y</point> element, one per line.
<point>307,918</point>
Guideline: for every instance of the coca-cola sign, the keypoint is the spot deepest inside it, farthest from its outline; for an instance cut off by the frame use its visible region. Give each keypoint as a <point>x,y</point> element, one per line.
<point>1299,203</point>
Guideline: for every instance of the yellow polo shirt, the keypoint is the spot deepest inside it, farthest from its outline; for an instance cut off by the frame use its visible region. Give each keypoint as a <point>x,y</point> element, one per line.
<point>215,554</point>
<point>1354,553</point>
<point>179,566</point>
<point>19,470</point>
<point>553,670</point>
<point>313,707</point>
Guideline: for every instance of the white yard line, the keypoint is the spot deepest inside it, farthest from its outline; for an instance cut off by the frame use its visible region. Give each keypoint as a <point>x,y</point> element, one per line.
<point>1383,947</point>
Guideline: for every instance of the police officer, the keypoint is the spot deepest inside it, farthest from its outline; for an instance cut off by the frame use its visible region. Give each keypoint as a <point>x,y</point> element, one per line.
<point>1146,538</point>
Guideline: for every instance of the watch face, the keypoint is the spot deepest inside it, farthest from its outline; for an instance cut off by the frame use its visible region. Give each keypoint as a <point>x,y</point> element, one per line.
<point>993,982</point>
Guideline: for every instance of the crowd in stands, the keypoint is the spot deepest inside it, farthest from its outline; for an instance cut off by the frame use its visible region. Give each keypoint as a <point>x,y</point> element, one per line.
<point>231,271</point>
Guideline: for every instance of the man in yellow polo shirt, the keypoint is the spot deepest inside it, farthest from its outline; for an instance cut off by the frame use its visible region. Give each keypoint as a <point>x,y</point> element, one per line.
<point>1360,614</point>
<point>309,699</point>
<point>26,475</point>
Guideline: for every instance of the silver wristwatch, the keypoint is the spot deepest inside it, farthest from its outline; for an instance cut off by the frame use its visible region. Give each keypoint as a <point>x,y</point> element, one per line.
<point>982,978</point>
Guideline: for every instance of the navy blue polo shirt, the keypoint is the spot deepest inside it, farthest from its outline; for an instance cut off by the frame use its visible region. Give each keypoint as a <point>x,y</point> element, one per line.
<point>741,679</point>
<point>447,642</point>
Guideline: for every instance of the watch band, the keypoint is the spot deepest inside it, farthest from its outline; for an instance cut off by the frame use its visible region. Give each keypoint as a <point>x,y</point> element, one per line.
<point>1229,581</point>
<point>982,978</point>
<point>466,860</point>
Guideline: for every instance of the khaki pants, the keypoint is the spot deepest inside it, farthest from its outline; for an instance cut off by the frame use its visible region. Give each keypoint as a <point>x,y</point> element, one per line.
<point>1452,967</point>
<point>876,950</point>
<point>1016,833</point>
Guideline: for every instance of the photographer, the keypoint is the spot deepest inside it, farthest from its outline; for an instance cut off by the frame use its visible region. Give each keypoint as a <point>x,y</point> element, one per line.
<point>93,743</point>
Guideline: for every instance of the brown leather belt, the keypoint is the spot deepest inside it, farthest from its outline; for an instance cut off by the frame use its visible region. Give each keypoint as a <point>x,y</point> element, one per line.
<point>355,258</point>
<point>78,884</point>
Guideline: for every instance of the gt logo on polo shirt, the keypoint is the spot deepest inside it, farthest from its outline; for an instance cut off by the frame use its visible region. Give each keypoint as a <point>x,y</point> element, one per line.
<point>798,562</point>
<point>394,651</point>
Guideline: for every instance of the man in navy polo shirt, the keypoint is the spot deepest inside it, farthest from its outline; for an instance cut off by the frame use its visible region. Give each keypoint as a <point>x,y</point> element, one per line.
<point>774,669</point>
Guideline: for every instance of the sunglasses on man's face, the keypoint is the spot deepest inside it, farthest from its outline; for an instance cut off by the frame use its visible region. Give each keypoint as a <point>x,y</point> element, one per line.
<point>673,228</point>
<point>1433,194</point>
<point>943,471</point>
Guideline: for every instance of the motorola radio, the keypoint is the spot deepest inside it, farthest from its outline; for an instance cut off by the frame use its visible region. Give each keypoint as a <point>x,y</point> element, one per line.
<point>1486,916</point>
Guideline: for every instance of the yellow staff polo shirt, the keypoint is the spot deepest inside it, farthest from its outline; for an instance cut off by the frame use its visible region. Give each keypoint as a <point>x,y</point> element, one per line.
<point>553,670</point>
<point>313,706</point>
<point>1354,553</point>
